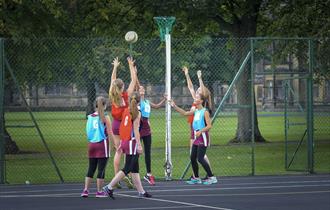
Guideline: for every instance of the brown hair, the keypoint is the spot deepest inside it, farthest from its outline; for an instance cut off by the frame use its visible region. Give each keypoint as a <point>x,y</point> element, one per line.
<point>115,91</point>
<point>133,105</point>
<point>206,102</point>
<point>207,95</point>
<point>100,106</point>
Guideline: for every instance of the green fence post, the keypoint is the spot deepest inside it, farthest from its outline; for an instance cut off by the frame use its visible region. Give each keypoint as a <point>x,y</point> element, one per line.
<point>286,124</point>
<point>2,136</point>
<point>252,108</point>
<point>310,120</point>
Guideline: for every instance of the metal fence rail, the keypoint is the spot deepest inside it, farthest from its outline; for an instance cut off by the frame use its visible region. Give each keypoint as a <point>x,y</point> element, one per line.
<point>60,78</point>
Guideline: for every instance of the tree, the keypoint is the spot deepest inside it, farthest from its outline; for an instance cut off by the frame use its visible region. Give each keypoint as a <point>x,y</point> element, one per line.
<point>238,19</point>
<point>306,19</point>
<point>22,19</point>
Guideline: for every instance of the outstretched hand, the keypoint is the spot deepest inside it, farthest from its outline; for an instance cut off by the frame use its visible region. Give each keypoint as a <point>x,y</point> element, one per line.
<point>185,69</point>
<point>199,74</point>
<point>115,62</point>
<point>165,96</point>
<point>130,61</point>
<point>172,103</point>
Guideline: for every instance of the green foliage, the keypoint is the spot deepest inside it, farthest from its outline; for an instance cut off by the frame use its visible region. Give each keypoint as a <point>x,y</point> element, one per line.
<point>303,19</point>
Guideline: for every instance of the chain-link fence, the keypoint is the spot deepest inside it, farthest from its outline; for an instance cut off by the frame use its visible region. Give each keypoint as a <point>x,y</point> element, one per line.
<point>59,80</point>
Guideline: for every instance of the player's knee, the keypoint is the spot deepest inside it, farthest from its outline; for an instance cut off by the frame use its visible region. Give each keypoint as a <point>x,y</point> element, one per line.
<point>100,175</point>
<point>201,160</point>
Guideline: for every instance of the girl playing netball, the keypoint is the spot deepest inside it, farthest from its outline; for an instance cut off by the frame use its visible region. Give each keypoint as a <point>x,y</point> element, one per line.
<point>119,102</point>
<point>145,131</point>
<point>201,125</point>
<point>131,146</point>
<point>201,90</point>
<point>98,130</point>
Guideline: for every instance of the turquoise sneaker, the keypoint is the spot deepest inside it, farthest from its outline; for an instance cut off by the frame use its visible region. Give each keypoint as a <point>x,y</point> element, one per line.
<point>194,181</point>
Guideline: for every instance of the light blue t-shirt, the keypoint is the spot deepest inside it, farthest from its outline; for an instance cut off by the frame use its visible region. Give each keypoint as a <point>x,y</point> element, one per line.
<point>145,108</point>
<point>199,119</point>
<point>95,129</point>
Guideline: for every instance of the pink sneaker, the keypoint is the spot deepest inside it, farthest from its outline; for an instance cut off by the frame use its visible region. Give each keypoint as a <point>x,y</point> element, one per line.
<point>84,194</point>
<point>150,179</point>
<point>101,194</point>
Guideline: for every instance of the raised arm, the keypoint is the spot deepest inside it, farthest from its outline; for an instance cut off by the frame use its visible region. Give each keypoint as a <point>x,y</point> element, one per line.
<point>201,84</point>
<point>115,64</point>
<point>189,83</point>
<point>131,86</point>
<point>137,85</point>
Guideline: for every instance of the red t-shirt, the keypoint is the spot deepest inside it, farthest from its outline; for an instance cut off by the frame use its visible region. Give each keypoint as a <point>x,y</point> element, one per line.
<point>191,117</point>
<point>117,111</point>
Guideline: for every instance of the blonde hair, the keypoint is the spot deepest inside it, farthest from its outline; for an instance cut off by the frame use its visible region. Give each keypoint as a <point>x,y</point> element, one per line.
<point>207,95</point>
<point>100,106</point>
<point>116,91</point>
<point>133,105</point>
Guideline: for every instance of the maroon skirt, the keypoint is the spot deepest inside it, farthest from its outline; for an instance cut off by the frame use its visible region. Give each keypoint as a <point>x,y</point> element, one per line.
<point>129,147</point>
<point>99,149</point>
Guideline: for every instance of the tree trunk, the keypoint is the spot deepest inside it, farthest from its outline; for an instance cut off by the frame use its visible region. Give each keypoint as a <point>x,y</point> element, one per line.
<point>10,145</point>
<point>302,83</point>
<point>91,96</point>
<point>246,27</point>
<point>244,122</point>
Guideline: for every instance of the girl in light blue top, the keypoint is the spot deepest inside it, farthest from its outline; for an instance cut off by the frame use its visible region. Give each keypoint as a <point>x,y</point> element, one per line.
<point>145,131</point>
<point>98,130</point>
<point>201,125</point>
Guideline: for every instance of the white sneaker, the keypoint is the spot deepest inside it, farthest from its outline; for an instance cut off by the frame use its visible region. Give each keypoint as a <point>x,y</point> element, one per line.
<point>214,179</point>
<point>210,180</point>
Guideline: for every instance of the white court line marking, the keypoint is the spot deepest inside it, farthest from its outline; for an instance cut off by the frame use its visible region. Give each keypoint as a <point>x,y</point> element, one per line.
<point>193,189</point>
<point>177,202</point>
<point>164,207</point>
<point>236,178</point>
<point>199,195</point>
<point>248,194</point>
<point>188,187</point>
<point>242,188</point>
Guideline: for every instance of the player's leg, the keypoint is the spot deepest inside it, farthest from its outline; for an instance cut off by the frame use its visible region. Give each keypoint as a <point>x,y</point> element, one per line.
<point>194,165</point>
<point>147,155</point>
<point>89,176</point>
<point>102,163</point>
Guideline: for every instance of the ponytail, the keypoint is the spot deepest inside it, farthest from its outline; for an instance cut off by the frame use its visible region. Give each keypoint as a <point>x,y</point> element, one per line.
<point>208,98</point>
<point>100,106</point>
<point>133,105</point>
<point>207,102</point>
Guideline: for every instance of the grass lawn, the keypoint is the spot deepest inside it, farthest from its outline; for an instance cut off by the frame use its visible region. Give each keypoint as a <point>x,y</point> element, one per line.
<point>64,133</point>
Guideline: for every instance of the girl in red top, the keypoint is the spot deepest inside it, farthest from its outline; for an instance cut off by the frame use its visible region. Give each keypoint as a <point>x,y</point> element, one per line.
<point>131,146</point>
<point>195,95</point>
<point>119,102</point>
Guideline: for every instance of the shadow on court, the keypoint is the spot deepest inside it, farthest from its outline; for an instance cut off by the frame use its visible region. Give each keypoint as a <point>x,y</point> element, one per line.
<point>303,192</point>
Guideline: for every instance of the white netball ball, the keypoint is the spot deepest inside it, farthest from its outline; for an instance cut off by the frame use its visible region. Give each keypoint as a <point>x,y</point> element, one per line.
<point>131,37</point>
